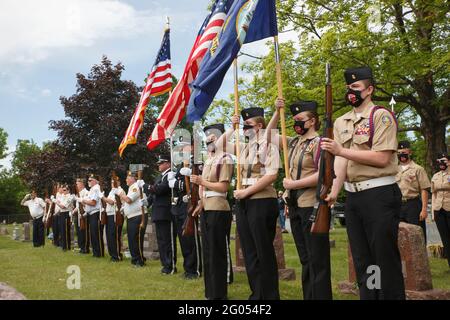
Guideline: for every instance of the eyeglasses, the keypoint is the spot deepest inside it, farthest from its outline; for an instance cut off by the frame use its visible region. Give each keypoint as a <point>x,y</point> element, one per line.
<point>90,180</point>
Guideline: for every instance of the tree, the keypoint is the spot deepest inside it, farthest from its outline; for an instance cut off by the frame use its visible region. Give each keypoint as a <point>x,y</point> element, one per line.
<point>97,116</point>
<point>12,191</point>
<point>407,49</point>
<point>24,149</point>
<point>3,143</point>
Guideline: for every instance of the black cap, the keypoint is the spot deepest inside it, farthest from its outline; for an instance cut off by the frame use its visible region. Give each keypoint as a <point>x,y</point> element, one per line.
<point>94,176</point>
<point>252,113</point>
<point>301,106</point>
<point>355,74</point>
<point>163,158</point>
<point>441,155</point>
<point>212,129</point>
<point>404,145</point>
<point>132,174</point>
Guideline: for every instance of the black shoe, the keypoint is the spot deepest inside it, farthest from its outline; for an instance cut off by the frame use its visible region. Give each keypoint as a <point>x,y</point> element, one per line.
<point>190,276</point>
<point>114,259</point>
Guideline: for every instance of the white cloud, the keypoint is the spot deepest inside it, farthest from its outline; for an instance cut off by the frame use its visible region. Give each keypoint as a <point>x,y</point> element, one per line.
<point>30,29</point>
<point>46,93</point>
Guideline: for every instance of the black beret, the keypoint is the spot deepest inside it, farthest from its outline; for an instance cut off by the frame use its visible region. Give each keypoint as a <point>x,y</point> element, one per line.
<point>441,155</point>
<point>252,113</point>
<point>404,145</point>
<point>301,106</point>
<point>163,158</point>
<point>212,129</point>
<point>356,74</point>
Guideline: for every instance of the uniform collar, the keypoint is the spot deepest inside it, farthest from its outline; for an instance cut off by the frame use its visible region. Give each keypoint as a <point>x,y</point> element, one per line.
<point>165,171</point>
<point>304,138</point>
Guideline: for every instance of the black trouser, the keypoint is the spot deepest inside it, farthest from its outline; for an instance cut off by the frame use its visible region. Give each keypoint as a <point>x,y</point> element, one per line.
<point>114,238</point>
<point>372,218</point>
<point>256,224</point>
<point>136,239</point>
<point>163,229</point>
<point>64,227</point>
<point>410,213</point>
<point>83,236</point>
<point>38,232</point>
<point>190,246</point>
<point>56,230</point>
<point>314,253</point>
<point>96,235</point>
<point>442,219</point>
<point>215,227</point>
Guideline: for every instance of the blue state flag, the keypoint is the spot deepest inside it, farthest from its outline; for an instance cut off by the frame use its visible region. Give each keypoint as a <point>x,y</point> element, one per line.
<point>247,21</point>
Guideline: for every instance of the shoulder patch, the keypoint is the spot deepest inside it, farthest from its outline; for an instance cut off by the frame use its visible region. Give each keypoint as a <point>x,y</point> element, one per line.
<point>134,190</point>
<point>386,120</point>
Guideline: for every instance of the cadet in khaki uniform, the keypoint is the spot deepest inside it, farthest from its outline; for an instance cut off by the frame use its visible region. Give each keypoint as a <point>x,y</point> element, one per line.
<point>215,217</point>
<point>301,185</point>
<point>414,184</point>
<point>256,218</point>
<point>365,146</point>
<point>440,200</point>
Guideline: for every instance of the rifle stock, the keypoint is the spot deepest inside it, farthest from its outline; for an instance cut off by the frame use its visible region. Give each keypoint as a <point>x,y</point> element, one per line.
<point>141,195</point>
<point>119,217</point>
<point>321,214</point>
<point>193,195</point>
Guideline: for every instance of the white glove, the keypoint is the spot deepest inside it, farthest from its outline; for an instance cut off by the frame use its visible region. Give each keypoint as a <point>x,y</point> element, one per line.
<point>53,199</point>
<point>102,195</point>
<point>185,198</point>
<point>172,183</point>
<point>143,202</point>
<point>170,175</point>
<point>140,183</point>
<point>185,171</point>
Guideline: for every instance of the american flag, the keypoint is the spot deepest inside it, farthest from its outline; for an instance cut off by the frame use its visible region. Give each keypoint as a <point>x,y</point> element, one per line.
<point>158,82</point>
<point>175,107</point>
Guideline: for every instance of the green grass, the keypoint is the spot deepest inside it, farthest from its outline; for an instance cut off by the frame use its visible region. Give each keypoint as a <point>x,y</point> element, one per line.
<point>40,273</point>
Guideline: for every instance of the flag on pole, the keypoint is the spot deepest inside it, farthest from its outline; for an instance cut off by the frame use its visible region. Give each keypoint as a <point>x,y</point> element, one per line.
<point>175,107</point>
<point>247,21</point>
<point>158,82</point>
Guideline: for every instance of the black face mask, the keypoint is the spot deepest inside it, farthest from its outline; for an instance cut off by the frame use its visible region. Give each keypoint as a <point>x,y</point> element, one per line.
<point>247,127</point>
<point>403,157</point>
<point>442,165</point>
<point>299,127</point>
<point>353,98</point>
<point>249,131</point>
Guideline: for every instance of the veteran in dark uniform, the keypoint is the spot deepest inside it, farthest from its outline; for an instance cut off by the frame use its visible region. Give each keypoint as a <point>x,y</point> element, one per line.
<point>301,195</point>
<point>365,146</point>
<point>415,185</point>
<point>215,215</point>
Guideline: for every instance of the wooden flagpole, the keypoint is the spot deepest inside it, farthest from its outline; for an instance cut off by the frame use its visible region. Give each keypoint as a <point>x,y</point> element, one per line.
<point>282,114</point>
<point>236,127</point>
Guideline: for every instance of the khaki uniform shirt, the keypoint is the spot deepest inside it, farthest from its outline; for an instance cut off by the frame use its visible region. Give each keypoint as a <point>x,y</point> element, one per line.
<point>217,203</point>
<point>258,158</point>
<point>352,132</point>
<point>440,188</point>
<point>412,180</point>
<point>296,145</point>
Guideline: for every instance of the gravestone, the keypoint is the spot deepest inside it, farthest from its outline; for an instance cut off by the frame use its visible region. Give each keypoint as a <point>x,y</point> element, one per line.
<point>4,231</point>
<point>415,266</point>
<point>26,232</point>
<point>150,243</point>
<point>16,232</point>
<point>283,272</point>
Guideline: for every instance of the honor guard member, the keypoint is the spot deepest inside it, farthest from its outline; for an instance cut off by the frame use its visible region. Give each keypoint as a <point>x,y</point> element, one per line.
<point>415,185</point>
<point>161,213</point>
<point>190,245</point>
<point>215,215</point>
<point>301,189</point>
<point>93,205</point>
<point>37,209</point>
<point>65,205</point>
<point>256,217</point>
<point>133,205</point>
<point>113,230</point>
<point>440,200</point>
<point>365,145</point>
<point>55,217</point>
<point>82,234</point>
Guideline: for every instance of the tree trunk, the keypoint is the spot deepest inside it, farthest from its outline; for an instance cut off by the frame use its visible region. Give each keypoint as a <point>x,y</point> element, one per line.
<point>433,131</point>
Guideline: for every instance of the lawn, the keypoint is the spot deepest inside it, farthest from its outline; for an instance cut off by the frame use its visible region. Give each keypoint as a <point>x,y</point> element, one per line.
<point>41,273</point>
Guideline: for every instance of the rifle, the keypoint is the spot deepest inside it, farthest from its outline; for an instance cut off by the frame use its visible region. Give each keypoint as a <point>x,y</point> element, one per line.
<point>103,216</point>
<point>51,210</point>
<point>74,212</point>
<point>321,213</point>
<point>82,218</point>
<point>118,216</point>
<point>141,195</point>
<point>193,196</point>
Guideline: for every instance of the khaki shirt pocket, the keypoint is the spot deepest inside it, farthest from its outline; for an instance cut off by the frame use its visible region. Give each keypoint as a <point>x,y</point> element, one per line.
<point>361,140</point>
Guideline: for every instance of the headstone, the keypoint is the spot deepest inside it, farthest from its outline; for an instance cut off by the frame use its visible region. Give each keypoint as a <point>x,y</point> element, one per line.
<point>16,232</point>
<point>150,243</point>
<point>26,232</point>
<point>4,231</point>
<point>415,266</point>
<point>283,272</point>
<point>8,293</point>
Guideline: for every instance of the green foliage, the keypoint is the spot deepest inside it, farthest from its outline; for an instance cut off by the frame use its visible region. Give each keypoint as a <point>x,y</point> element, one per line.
<point>24,150</point>
<point>12,190</point>
<point>3,143</point>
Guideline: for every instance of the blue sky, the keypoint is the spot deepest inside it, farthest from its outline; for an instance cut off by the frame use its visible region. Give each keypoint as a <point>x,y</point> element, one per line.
<point>46,42</point>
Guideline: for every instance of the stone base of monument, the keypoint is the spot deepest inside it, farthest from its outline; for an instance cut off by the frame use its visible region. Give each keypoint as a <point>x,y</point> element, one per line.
<point>8,293</point>
<point>283,272</point>
<point>415,267</point>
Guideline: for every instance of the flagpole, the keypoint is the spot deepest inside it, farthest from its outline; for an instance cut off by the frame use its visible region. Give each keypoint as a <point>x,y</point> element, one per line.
<point>282,114</point>
<point>236,126</point>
